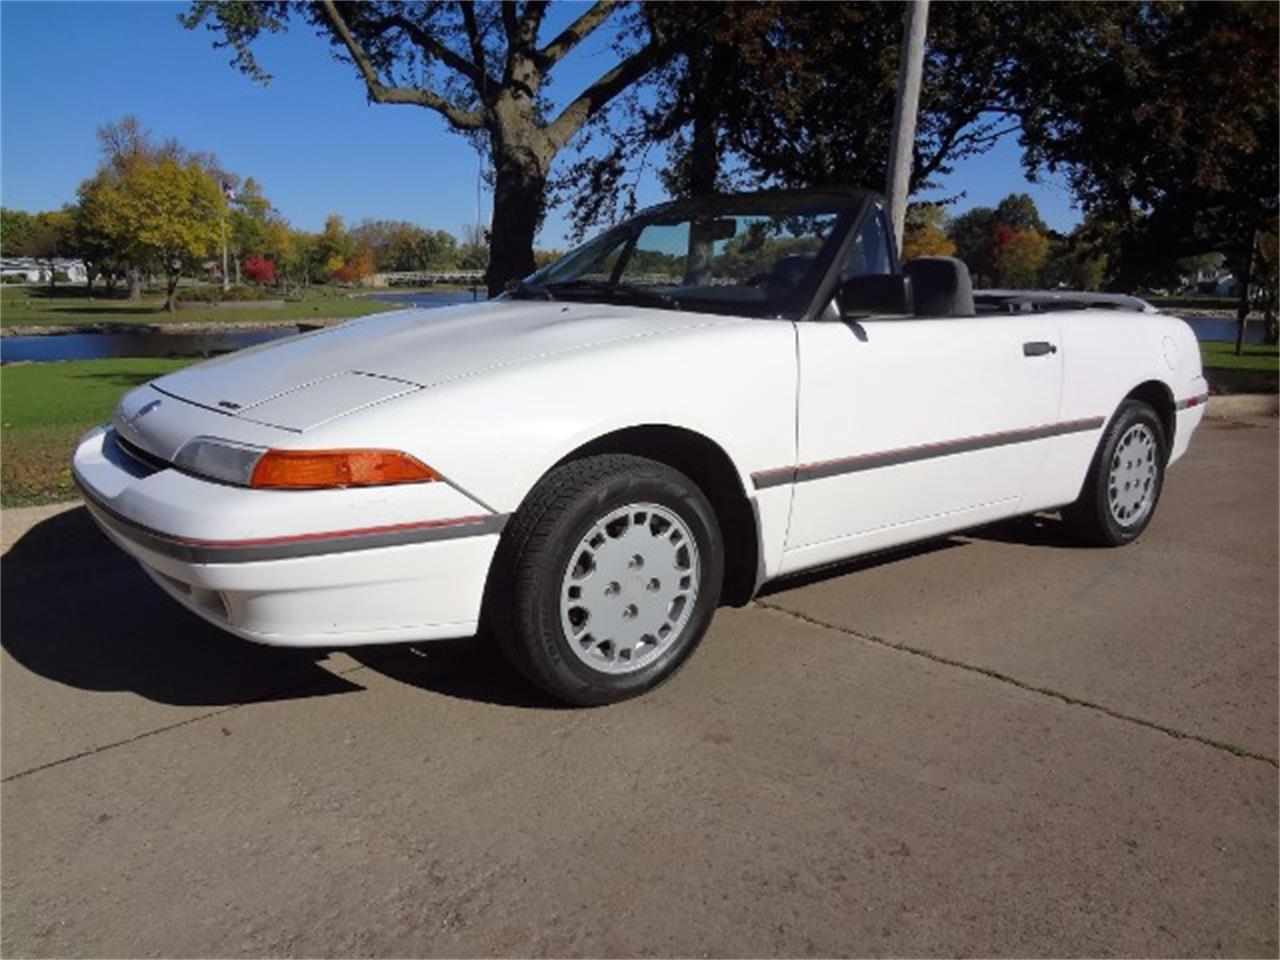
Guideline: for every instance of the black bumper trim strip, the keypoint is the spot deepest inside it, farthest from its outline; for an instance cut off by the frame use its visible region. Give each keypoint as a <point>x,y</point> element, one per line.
<point>197,551</point>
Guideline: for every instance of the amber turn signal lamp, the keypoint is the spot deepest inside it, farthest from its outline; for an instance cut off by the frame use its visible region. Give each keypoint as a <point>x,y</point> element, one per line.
<point>312,469</point>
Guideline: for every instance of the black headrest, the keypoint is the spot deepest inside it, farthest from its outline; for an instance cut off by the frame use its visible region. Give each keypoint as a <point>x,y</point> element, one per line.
<point>940,287</point>
<point>793,268</point>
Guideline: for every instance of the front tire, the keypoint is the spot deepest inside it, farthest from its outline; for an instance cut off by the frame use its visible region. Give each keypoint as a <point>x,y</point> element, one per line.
<point>1125,479</point>
<point>606,578</point>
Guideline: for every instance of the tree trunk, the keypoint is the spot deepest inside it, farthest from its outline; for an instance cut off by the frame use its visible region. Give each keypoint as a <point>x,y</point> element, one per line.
<point>237,261</point>
<point>519,198</point>
<point>1242,310</point>
<point>703,164</point>
<point>135,284</point>
<point>171,290</point>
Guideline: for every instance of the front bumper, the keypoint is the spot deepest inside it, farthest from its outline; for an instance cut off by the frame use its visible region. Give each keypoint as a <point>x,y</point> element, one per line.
<point>322,568</point>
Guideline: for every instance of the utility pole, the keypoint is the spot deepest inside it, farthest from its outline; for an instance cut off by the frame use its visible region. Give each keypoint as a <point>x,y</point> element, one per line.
<point>902,142</point>
<point>226,281</point>
<point>229,192</point>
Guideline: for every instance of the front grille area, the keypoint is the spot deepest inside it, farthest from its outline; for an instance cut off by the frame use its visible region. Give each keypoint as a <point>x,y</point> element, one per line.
<point>131,457</point>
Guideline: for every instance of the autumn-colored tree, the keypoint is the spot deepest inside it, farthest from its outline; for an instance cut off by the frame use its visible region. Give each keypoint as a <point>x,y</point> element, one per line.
<point>298,257</point>
<point>354,268</point>
<point>1018,255</point>
<point>259,270</point>
<point>1004,246</point>
<point>150,205</point>
<point>925,234</point>
<point>250,216</point>
<point>400,246</point>
<point>163,212</point>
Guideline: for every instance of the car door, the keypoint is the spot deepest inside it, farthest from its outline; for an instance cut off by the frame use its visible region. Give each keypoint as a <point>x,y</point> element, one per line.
<point>908,427</point>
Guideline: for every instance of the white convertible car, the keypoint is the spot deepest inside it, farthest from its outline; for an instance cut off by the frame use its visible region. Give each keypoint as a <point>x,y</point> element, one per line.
<point>713,394</point>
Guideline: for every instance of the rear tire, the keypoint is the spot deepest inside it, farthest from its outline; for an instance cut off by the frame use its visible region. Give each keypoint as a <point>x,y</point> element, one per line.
<point>606,578</point>
<point>1125,479</point>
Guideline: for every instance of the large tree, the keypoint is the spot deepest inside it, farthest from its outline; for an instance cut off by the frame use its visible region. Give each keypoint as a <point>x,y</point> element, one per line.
<point>483,67</point>
<point>1164,119</point>
<point>796,94</point>
<point>16,228</point>
<point>169,214</point>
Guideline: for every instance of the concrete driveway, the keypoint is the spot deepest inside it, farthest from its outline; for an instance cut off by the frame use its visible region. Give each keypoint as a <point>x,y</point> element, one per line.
<point>992,744</point>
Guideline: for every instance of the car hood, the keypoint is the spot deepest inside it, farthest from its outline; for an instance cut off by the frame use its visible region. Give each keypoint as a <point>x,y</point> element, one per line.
<point>305,380</point>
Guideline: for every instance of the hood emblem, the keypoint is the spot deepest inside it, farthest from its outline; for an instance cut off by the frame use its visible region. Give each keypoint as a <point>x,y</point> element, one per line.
<point>129,424</point>
<point>144,410</point>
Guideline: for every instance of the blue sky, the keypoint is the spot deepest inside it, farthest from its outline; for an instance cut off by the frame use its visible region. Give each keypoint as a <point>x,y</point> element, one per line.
<point>309,137</point>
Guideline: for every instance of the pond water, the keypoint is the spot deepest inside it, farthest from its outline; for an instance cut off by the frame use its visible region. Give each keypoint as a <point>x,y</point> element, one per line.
<point>91,346</point>
<point>1211,328</point>
<point>95,346</point>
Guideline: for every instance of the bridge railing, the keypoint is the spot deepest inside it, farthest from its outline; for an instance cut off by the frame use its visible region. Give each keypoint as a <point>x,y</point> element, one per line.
<point>428,278</point>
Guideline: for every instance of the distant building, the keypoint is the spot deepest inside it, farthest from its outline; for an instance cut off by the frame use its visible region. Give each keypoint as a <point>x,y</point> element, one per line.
<point>32,270</point>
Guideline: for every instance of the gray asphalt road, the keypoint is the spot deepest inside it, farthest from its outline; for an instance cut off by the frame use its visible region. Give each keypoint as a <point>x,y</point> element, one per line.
<point>992,744</point>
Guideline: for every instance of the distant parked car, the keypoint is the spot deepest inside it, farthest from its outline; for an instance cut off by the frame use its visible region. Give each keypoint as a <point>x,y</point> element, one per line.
<point>714,394</point>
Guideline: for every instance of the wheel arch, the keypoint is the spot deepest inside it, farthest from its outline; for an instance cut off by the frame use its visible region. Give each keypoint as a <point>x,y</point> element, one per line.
<point>708,465</point>
<point>1158,395</point>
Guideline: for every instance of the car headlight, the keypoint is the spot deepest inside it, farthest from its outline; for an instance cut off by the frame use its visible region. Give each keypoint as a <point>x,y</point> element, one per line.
<point>262,468</point>
<point>218,459</point>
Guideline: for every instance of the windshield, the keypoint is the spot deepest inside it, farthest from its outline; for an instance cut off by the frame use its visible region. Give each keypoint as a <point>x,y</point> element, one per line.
<point>759,255</point>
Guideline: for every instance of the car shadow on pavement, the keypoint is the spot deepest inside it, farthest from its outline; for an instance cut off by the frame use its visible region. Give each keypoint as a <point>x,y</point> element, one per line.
<point>1036,530</point>
<point>471,668</point>
<point>843,568</point>
<point>76,610</point>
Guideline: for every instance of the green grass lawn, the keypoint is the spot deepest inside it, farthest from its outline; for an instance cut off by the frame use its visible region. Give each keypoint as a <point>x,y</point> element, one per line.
<point>45,407</point>
<point>1256,371</point>
<point>67,306</point>
<point>1222,356</point>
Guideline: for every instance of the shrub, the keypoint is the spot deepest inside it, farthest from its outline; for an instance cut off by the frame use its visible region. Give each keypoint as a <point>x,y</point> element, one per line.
<point>259,270</point>
<point>215,294</point>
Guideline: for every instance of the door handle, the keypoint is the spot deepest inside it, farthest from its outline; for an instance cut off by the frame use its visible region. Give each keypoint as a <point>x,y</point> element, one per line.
<point>1038,348</point>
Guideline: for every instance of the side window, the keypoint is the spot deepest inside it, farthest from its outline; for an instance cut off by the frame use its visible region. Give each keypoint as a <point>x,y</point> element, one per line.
<point>870,250</point>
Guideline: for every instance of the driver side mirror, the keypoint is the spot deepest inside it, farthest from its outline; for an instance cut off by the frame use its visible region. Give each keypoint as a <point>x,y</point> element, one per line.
<point>876,293</point>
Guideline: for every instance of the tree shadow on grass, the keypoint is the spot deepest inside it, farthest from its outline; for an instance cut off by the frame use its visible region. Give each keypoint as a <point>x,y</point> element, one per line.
<point>75,292</point>
<point>125,310</point>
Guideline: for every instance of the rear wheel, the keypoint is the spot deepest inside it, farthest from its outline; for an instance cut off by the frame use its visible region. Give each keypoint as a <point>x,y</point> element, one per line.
<point>1125,479</point>
<point>606,578</point>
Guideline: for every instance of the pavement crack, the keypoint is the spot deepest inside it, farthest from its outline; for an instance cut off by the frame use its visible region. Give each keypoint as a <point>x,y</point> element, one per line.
<point>1234,749</point>
<point>102,748</point>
